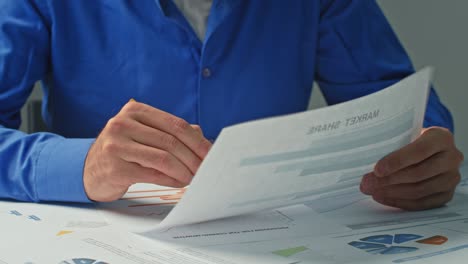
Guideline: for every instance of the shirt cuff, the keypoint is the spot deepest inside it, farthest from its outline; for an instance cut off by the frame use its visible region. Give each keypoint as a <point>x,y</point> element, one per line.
<point>59,175</point>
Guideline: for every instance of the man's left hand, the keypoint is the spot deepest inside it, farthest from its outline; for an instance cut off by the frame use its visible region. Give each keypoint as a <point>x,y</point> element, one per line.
<point>419,176</point>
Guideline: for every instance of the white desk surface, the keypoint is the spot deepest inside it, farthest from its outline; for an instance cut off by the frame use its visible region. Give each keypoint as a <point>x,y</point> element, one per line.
<point>40,233</point>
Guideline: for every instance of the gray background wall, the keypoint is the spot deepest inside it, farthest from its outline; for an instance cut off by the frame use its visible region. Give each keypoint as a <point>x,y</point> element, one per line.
<point>434,33</point>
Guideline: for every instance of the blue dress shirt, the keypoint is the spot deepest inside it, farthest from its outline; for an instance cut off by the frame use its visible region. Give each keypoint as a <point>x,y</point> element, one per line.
<point>259,59</point>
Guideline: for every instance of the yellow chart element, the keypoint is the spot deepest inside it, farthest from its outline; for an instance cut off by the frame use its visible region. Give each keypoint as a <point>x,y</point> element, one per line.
<point>64,232</point>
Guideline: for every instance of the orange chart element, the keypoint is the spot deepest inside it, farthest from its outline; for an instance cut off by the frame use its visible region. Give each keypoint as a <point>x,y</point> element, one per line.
<point>435,240</point>
<point>64,232</point>
<point>167,197</point>
<point>176,196</point>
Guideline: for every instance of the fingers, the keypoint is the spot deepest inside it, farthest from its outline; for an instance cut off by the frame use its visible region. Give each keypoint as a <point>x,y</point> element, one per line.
<point>147,175</point>
<point>414,191</point>
<point>142,144</point>
<point>160,140</point>
<point>197,128</point>
<point>431,167</point>
<point>429,143</point>
<point>431,193</point>
<point>421,175</point>
<point>170,124</point>
<point>153,158</point>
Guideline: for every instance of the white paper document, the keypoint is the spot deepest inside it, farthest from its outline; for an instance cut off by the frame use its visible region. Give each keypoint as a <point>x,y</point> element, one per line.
<point>144,205</point>
<point>379,235</point>
<point>47,233</point>
<point>110,246</point>
<point>302,157</point>
<point>368,216</point>
<point>416,245</point>
<point>463,185</point>
<point>288,222</point>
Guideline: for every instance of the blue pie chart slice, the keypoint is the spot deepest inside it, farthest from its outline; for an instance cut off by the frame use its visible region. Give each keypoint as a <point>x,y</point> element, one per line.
<point>366,246</point>
<point>402,238</point>
<point>82,261</point>
<point>382,239</point>
<point>398,250</point>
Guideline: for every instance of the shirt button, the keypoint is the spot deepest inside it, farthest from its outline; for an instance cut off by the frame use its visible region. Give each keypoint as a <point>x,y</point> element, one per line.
<point>206,73</point>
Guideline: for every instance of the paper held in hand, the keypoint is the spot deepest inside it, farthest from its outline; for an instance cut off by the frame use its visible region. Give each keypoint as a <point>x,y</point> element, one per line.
<point>293,159</point>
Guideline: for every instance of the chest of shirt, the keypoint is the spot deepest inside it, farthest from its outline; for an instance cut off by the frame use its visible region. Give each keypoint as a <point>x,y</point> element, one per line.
<point>257,59</point>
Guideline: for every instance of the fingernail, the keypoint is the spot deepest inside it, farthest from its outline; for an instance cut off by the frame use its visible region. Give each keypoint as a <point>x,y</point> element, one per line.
<point>379,170</point>
<point>367,184</point>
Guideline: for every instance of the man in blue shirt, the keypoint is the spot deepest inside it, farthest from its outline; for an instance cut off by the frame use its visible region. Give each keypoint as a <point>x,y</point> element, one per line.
<point>255,59</point>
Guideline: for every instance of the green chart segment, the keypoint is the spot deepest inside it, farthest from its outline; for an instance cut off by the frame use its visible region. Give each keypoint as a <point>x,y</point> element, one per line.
<point>289,251</point>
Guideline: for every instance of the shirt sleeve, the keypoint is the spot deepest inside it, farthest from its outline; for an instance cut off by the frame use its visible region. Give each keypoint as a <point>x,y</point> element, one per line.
<point>40,166</point>
<point>358,54</point>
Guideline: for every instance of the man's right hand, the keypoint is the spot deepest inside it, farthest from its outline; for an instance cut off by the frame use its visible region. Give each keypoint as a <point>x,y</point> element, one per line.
<point>142,144</point>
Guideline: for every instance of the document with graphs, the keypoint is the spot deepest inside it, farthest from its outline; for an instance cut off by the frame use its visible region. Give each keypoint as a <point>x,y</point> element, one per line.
<point>302,157</point>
